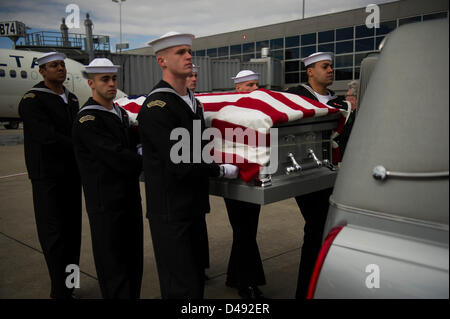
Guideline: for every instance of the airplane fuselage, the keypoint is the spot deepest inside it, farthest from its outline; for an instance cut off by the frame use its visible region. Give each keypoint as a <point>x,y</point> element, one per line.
<point>19,72</point>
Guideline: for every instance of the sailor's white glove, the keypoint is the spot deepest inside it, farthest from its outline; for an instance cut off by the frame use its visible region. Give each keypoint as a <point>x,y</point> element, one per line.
<point>229,171</point>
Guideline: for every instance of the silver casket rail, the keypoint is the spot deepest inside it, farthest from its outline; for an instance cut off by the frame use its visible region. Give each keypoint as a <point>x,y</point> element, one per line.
<point>304,164</point>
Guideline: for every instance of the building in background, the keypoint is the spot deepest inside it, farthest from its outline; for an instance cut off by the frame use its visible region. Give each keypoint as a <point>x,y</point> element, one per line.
<point>343,33</point>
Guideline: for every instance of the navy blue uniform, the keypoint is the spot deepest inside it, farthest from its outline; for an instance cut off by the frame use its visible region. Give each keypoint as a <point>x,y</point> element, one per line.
<point>177,193</point>
<point>314,208</point>
<point>245,266</point>
<point>110,167</point>
<point>53,171</point>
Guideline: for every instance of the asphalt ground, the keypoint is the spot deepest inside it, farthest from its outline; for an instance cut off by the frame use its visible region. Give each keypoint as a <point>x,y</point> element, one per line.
<point>24,275</point>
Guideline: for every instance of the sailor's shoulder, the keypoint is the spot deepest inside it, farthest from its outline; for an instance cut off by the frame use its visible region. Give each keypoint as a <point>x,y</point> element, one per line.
<point>158,100</point>
<point>29,95</point>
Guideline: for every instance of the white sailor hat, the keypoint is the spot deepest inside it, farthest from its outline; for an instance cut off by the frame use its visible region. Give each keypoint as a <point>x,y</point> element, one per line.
<point>171,39</point>
<point>195,68</point>
<point>101,65</point>
<point>318,56</point>
<point>245,75</point>
<point>49,57</point>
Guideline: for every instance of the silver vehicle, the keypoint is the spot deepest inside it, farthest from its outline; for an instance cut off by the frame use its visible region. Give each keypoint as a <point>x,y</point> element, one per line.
<point>387,233</point>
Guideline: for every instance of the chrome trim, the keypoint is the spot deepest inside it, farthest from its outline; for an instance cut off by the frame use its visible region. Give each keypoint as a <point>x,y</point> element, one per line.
<point>372,213</point>
<point>295,167</point>
<point>381,173</point>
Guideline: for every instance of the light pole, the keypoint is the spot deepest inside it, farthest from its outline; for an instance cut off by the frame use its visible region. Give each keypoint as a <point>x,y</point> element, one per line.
<point>120,22</point>
<point>303,9</point>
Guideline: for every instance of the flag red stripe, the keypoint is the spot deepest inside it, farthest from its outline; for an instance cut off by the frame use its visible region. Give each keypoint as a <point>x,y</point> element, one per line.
<point>131,107</point>
<point>280,97</point>
<point>250,103</point>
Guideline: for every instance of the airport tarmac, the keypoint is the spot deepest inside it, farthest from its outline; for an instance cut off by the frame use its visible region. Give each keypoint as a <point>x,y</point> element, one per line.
<point>24,275</point>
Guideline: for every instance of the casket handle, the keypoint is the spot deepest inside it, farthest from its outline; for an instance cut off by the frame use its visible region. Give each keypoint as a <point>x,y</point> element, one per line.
<point>295,166</point>
<point>316,163</point>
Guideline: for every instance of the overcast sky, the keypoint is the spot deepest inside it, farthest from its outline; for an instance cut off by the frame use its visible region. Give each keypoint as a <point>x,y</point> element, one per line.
<point>143,20</point>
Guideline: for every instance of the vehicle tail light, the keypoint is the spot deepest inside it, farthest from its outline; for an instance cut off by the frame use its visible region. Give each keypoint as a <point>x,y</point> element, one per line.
<point>321,258</point>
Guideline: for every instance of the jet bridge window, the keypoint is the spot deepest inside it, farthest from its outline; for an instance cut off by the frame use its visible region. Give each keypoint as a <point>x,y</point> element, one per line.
<point>362,31</point>
<point>212,53</point>
<point>247,57</point>
<point>326,36</point>
<point>2,73</point>
<point>308,39</point>
<point>329,47</point>
<point>308,50</point>
<point>23,74</point>
<point>276,43</point>
<point>440,15</point>
<point>343,74</point>
<point>386,27</point>
<point>291,77</point>
<point>236,49</point>
<point>344,61</point>
<point>344,47</point>
<point>261,44</point>
<point>409,20</point>
<point>223,51</point>
<point>364,45</point>
<point>291,66</point>
<point>344,34</point>
<point>277,54</point>
<point>291,53</point>
<point>248,47</point>
<point>200,53</point>
<point>12,73</point>
<point>292,41</point>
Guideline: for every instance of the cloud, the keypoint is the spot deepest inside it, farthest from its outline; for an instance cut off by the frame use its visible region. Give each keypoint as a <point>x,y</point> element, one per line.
<point>143,18</point>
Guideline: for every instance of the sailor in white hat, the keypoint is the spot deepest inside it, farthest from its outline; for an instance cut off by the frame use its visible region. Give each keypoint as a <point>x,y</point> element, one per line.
<point>314,206</point>
<point>101,65</point>
<point>246,81</point>
<point>318,56</point>
<point>174,55</point>
<point>191,80</point>
<point>319,68</point>
<point>48,111</point>
<point>102,79</point>
<point>110,166</point>
<point>171,39</point>
<point>49,57</point>
<point>53,69</point>
<point>177,191</point>
<point>245,268</point>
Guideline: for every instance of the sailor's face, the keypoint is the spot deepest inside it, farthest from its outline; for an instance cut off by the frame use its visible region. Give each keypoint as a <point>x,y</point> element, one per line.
<point>104,85</point>
<point>54,71</point>
<point>191,81</point>
<point>322,72</point>
<point>179,60</point>
<point>247,86</point>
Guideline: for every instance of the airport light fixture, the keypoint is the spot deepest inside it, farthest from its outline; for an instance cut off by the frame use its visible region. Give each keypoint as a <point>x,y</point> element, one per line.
<point>120,22</point>
<point>303,9</point>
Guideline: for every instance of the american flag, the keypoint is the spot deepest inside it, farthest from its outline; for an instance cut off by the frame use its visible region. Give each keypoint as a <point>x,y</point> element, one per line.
<point>256,112</point>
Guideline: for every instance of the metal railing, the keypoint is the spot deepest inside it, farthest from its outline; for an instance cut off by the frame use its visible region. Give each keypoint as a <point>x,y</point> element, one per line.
<point>73,40</point>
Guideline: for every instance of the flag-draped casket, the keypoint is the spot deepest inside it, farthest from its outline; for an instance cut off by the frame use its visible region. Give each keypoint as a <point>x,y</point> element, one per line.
<point>280,141</point>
